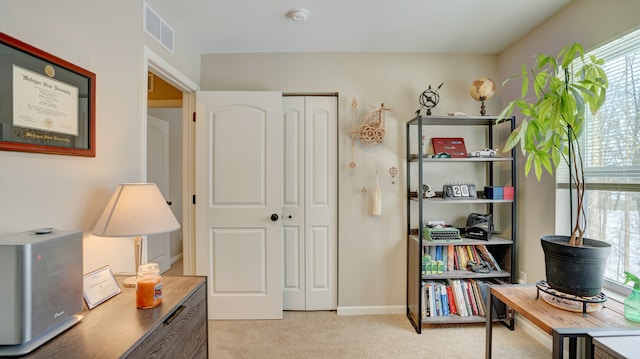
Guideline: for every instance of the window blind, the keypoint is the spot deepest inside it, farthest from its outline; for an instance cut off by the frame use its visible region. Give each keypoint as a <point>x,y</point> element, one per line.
<point>610,145</point>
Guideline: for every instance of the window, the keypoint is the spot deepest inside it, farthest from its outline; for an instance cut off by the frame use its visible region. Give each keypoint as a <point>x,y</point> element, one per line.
<point>611,150</point>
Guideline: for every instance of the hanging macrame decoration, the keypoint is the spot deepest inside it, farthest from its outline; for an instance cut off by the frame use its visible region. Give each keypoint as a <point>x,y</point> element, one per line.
<point>371,131</point>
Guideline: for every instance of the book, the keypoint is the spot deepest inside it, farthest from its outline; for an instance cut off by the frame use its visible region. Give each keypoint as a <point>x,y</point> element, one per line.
<point>471,253</point>
<point>472,300</point>
<point>464,300</point>
<point>444,299</point>
<point>450,258</point>
<point>456,260</point>
<point>425,307</point>
<point>432,302</point>
<point>457,296</point>
<point>426,264</point>
<point>437,299</point>
<point>476,257</point>
<point>452,303</point>
<point>477,296</point>
<point>445,258</point>
<point>462,255</point>
<point>432,252</point>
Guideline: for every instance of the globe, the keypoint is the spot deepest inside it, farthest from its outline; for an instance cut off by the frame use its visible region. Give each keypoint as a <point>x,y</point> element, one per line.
<point>482,89</point>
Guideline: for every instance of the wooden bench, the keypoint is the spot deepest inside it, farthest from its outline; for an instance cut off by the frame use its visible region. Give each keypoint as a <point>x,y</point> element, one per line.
<point>558,323</point>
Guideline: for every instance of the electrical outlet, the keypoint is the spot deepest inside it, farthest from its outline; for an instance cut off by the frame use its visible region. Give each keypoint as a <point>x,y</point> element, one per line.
<point>522,277</point>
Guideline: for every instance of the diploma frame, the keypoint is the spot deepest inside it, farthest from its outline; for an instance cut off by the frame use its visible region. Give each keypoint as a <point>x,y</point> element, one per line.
<point>99,286</point>
<point>17,54</point>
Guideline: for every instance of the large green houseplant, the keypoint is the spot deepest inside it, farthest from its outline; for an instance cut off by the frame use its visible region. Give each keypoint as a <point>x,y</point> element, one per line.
<point>565,87</point>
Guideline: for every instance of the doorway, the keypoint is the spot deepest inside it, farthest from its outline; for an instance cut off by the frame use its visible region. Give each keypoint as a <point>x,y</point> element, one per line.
<point>175,104</point>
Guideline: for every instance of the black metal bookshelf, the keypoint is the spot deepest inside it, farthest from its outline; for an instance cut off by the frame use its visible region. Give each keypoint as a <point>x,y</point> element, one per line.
<point>501,245</point>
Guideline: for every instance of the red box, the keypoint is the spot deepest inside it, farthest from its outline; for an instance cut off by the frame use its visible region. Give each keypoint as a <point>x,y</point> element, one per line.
<point>507,193</point>
<point>453,146</point>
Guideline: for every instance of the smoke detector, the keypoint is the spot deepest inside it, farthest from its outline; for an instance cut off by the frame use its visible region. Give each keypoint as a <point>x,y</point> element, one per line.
<point>298,14</point>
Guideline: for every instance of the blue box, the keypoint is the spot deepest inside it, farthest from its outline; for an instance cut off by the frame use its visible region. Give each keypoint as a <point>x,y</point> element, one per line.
<point>494,192</point>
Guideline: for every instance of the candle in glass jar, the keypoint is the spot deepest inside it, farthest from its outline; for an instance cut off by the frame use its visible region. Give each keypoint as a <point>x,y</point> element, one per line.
<point>149,286</point>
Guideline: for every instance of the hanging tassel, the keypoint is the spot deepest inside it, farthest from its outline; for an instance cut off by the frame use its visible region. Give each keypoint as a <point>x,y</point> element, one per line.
<point>377,197</point>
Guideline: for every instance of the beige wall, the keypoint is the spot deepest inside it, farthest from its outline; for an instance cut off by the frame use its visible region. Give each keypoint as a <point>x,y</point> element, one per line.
<point>589,22</point>
<point>107,38</point>
<point>69,192</point>
<point>372,251</point>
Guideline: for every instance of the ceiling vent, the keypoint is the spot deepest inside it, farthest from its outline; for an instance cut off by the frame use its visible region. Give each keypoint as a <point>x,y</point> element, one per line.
<point>158,28</point>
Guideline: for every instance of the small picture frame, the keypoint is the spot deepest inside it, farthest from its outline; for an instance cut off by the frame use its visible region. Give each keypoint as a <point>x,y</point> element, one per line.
<point>99,286</point>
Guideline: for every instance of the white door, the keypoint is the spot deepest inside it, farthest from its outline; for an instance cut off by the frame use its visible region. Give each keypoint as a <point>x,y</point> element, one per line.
<point>238,202</point>
<point>310,203</point>
<point>158,246</point>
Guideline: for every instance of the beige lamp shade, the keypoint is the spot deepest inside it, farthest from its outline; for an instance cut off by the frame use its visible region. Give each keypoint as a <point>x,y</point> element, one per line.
<point>136,209</point>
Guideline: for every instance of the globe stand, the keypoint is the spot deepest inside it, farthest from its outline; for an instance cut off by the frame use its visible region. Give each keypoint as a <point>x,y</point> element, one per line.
<point>483,111</point>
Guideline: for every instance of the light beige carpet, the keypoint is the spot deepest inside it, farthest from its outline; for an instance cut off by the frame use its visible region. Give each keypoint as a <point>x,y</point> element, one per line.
<point>327,335</point>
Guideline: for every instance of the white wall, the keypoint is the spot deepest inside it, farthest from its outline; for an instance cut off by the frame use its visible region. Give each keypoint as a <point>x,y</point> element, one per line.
<point>589,22</point>
<point>372,251</point>
<point>70,192</point>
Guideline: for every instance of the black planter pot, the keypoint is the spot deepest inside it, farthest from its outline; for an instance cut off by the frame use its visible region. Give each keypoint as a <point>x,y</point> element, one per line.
<point>575,270</point>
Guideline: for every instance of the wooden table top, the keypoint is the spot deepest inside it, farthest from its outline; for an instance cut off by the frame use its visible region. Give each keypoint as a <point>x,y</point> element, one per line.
<point>522,298</point>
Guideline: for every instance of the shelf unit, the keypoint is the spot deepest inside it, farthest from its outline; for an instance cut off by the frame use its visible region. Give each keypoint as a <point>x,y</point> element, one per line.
<point>499,171</point>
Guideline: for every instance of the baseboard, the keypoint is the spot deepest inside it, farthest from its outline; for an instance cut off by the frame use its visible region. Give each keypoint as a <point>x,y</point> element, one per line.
<point>399,309</point>
<point>176,258</point>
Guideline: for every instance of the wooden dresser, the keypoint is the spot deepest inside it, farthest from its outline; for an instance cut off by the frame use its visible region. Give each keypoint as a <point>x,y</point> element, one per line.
<point>117,329</point>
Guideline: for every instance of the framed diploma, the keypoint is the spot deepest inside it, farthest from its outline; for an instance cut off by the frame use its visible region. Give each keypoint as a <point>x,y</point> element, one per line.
<point>47,105</point>
<point>99,286</point>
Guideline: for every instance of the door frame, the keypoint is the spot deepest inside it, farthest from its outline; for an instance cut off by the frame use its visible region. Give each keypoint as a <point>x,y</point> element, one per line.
<point>161,68</point>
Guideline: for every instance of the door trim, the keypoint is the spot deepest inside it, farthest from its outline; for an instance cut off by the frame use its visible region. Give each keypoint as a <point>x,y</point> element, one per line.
<point>156,64</point>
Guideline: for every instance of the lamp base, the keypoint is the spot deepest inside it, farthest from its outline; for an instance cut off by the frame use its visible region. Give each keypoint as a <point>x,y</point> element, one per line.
<point>130,282</point>
<point>137,246</point>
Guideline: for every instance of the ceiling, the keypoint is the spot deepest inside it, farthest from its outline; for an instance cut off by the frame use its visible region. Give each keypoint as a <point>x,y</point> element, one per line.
<point>418,26</point>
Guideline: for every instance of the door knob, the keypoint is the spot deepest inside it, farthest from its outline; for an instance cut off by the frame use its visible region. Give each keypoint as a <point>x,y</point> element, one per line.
<point>274,217</point>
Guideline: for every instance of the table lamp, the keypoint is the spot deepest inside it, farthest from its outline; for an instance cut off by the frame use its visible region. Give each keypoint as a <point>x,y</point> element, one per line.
<point>135,209</point>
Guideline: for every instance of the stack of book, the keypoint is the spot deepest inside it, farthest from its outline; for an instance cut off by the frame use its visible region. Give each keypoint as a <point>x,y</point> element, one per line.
<point>461,297</point>
<point>440,259</point>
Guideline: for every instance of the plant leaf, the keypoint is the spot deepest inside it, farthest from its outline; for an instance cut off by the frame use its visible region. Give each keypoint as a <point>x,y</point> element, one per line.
<point>525,82</point>
<point>515,136</point>
<point>527,165</point>
<point>505,113</point>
